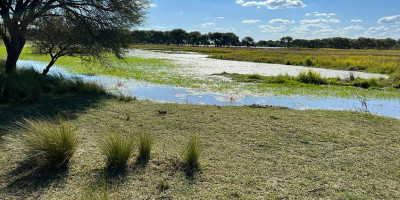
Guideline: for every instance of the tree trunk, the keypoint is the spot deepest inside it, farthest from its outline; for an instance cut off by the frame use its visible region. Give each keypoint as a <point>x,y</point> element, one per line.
<point>45,71</point>
<point>11,62</point>
<point>13,52</point>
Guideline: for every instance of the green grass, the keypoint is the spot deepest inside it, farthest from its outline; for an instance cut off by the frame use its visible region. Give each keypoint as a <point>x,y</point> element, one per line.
<point>30,86</point>
<point>117,148</point>
<point>49,143</point>
<point>247,153</point>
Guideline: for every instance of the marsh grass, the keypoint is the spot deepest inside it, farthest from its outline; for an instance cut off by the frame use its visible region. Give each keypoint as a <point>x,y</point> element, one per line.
<point>311,77</point>
<point>50,143</point>
<point>145,146</point>
<point>117,148</point>
<point>192,152</point>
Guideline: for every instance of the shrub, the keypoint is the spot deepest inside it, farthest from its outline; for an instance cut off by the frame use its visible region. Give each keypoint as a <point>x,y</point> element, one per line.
<point>118,149</point>
<point>311,77</point>
<point>49,142</point>
<point>145,144</point>
<point>309,62</point>
<point>192,152</point>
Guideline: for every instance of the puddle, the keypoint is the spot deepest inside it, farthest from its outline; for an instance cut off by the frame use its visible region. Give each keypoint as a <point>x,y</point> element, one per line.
<point>167,93</point>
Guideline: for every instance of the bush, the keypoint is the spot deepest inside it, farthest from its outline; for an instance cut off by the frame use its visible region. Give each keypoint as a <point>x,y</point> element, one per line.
<point>49,142</point>
<point>118,149</point>
<point>145,144</point>
<point>192,152</point>
<point>309,62</point>
<point>311,77</point>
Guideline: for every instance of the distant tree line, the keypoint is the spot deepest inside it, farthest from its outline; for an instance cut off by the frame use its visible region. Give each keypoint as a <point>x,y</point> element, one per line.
<point>217,39</point>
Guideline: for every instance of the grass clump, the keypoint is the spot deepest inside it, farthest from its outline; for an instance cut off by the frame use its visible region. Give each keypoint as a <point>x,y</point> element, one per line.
<point>192,152</point>
<point>145,145</point>
<point>124,98</point>
<point>49,142</point>
<point>311,77</point>
<point>118,149</point>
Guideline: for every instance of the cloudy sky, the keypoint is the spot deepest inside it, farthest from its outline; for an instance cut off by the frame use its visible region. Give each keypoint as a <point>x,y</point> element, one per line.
<point>272,19</point>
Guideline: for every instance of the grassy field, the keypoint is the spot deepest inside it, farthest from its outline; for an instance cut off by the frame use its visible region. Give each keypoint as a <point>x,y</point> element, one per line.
<point>246,153</point>
<point>162,71</point>
<point>374,61</point>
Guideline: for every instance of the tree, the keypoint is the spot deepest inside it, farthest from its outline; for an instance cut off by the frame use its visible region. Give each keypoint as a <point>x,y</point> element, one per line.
<point>205,39</point>
<point>230,39</point>
<point>248,41</point>
<point>194,38</point>
<point>287,41</point>
<point>178,36</point>
<point>58,37</point>
<point>93,15</point>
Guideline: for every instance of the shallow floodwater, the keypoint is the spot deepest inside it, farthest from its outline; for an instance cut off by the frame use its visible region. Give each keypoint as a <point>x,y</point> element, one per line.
<point>200,65</point>
<point>171,94</point>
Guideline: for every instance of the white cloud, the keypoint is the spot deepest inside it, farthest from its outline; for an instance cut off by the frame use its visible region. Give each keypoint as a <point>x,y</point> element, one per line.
<point>231,29</point>
<point>334,21</point>
<point>221,17</point>
<point>152,5</point>
<point>251,21</point>
<point>389,19</point>
<point>206,25</point>
<point>351,28</point>
<point>377,32</point>
<point>272,29</point>
<point>159,27</point>
<point>356,21</point>
<point>319,21</point>
<point>281,21</point>
<point>273,4</point>
<point>318,14</point>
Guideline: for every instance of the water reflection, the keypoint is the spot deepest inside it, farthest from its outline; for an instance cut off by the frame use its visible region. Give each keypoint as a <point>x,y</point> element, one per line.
<point>167,93</point>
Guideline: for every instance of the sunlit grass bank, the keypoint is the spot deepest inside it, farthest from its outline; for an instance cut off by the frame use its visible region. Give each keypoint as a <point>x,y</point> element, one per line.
<point>245,153</point>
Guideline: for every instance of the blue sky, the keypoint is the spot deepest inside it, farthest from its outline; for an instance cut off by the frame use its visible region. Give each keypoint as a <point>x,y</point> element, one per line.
<point>273,19</point>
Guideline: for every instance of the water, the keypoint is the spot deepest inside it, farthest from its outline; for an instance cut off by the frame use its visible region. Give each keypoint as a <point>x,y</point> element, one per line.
<point>171,94</point>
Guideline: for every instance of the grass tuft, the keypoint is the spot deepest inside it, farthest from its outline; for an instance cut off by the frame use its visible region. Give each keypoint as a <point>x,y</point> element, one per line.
<point>124,98</point>
<point>145,145</point>
<point>192,152</point>
<point>311,77</point>
<point>118,149</point>
<point>50,143</point>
